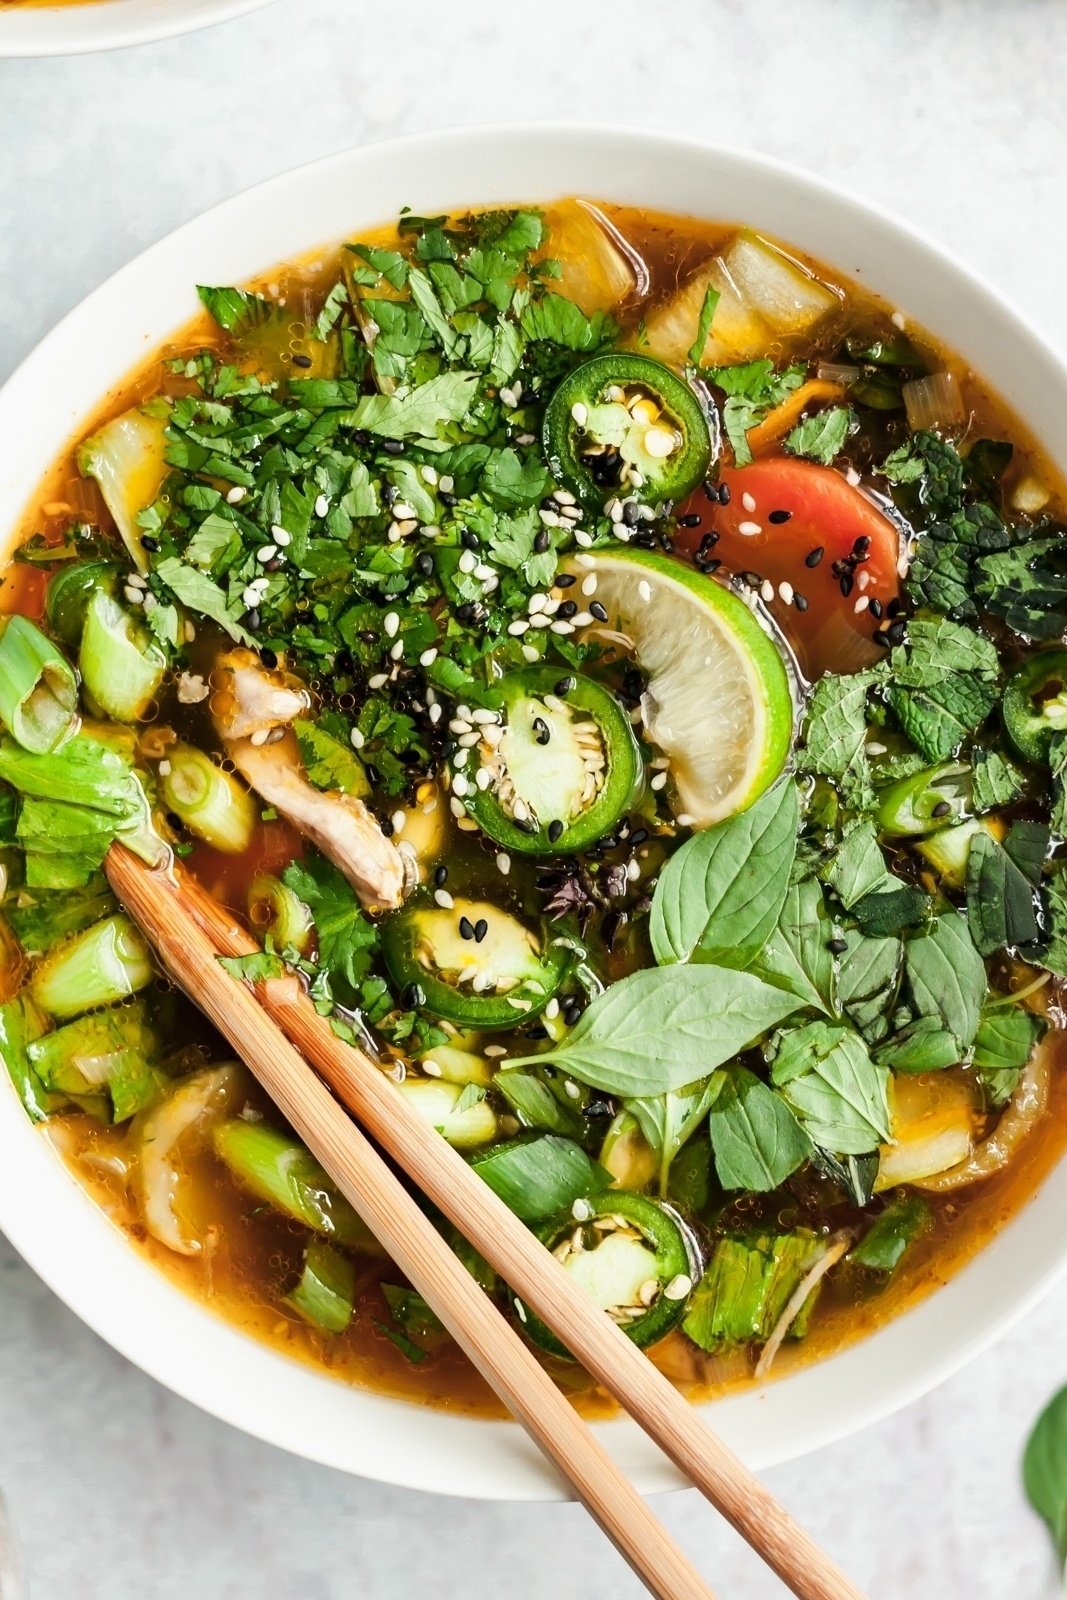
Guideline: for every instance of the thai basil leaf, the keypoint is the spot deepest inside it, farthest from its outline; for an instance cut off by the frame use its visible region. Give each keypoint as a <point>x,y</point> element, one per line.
<point>1045,1471</point>
<point>756,1139</point>
<point>854,1175</point>
<point>1001,903</point>
<point>923,1046</point>
<point>797,956</point>
<point>1006,1038</point>
<point>719,896</point>
<point>663,1028</point>
<point>668,1120</point>
<point>840,1095</point>
<point>867,982</point>
<point>946,975</point>
<point>858,869</point>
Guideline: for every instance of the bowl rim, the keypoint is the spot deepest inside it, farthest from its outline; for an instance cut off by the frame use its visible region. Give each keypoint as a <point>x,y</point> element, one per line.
<point>64,30</point>
<point>854,1388</point>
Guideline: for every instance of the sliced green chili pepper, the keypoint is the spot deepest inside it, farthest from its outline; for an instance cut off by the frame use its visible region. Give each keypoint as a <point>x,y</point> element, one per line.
<point>620,415</point>
<point>927,801</point>
<point>562,761</point>
<point>1035,704</point>
<point>472,963</point>
<point>635,1261</point>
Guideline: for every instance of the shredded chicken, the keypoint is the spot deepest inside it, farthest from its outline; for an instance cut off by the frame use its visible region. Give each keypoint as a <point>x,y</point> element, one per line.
<point>251,699</point>
<point>252,708</point>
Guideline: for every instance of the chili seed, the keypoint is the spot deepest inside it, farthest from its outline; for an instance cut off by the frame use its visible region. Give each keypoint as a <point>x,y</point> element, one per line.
<point>555,829</point>
<point>813,557</point>
<point>466,928</point>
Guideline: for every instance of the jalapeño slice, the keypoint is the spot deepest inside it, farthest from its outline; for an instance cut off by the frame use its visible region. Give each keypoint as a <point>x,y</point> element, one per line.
<point>472,963</point>
<point>636,1261</point>
<point>1035,704</point>
<point>626,425</point>
<point>562,762</point>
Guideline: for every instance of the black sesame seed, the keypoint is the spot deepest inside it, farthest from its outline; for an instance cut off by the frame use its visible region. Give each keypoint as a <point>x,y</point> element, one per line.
<point>525,824</point>
<point>446,498</point>
<point>709,564</point>
<point>252,620</point>
<point>542,732</point>
<point>942,809</point>
<point>598,611</point>
<point>302,361</point>
<point>466,928</point>
<point>538,1031</point>
<point>541,541</point>
<point>599,1108</point>
<point>638,836</point>
<point>440,876</point>
<point>565,685</point>
<point>374,777</point>
<point>813,557</point>
<point>555,829</point>
<point>896,631</point>
<point>724,494</point>
<point>779,516</point>
<point>424,562</point>
<point>412,996</point>
<point>268,657</point>
<point>468,539</point>
<point>876,610</point>
<point>611,927</point>
<point>711,490</point>
<point>800,601</point>
<point>565,580</point>
<point>690,520</point>
<point>386,827</point>
<point>481,928</point>
<point>708,542</point>
<point>838,946</point>
<point>572,1010</point>
<point>567,610</point>
<point>630,514</point>
<point>390,493</point>
<point>393,447</point>
<point>894,608</point>
<point>847,584</point>
<point>881,638</point>
<point>862,545</point>
<point>148,543</point>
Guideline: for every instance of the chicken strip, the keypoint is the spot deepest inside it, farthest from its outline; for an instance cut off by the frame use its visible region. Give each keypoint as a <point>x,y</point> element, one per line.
<point>252,708</point>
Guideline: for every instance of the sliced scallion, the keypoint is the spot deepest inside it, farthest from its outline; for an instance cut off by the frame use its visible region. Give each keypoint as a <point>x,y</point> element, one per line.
<point>113,1052</point>
<point>278,1169</point>
<point>120,667</point>
<point>537,1177</point>
<point>102,964</point>
<point>274,910</point>
<point>38,687</point>
<point>326,1293</point>
<point>210,802</point>
<point>21,1022</point>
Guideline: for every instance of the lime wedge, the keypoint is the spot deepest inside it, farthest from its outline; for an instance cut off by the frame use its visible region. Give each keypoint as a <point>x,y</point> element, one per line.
<point>718,702</point>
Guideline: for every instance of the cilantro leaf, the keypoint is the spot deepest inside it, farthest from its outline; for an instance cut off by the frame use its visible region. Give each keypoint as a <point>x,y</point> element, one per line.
<point>704,322</point>
<point>329,764</point>
<point>346,938</point>
<point>751,388</point>
<point>253,968</point>
<point>330,314</point>
<point>511,482</point>
<point>821,437</point>
<point>235,309</point>
<point>201,594</point>
<point>559,321</point>
<point>422,412</point>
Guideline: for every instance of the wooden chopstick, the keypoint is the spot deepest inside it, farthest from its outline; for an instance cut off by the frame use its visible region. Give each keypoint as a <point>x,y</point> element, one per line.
<point>188,928</point>
<point>423,1256</point>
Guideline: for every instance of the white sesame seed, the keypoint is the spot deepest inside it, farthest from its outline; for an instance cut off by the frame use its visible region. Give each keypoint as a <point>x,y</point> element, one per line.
<point>518,627</point>
<point>581,619</point>
<point>397,650</point>
<point>852,477</point>
<point>250,596</point>
<point>266,552</point>
<point>614,510</point>
<point>562,626</point>
<point>531,652</point>
<point>428,657</point>
<point>134,596</point>
<point>164,768</point>
<point>633,870</point>
<point>550,519</point>
<point>485,572</point>
<point>520,811</point>
<point>581,1210</point>
<point>135,581</point>
<point>460,786</point>
<point>571,1089</point>
<point>749,529</point>
<point>469,740</point>
<point>445,483</point>
<point>236,495</point>
<point>785,592</point>
<point>537,602</point>
<point>398,820</point>
<point>402,512</point>
<point>503,863</point>
<point>520,1310</point>
<point>282,538</point>
<point>405,525</point>
<point>766,590</point>
<point>863,580</point>
<point>580,413</point>
<point>540,621</point>
<point>428,475</point>
<point>467,561</point>
<point>583,538</point>
<point>258,736</point>
<point>483,778</point>
<point>322,505</point>
<point>443,898</point>
<point>378,681</point>
<point>897,319</point>
<point>494,1050</point>
<point>861,604</point>
<point>431,1069</point>
<point>589,584</point>
<point>659,781</point>
<point>748,501</point>
<point>644,589</point>
<point>484,716</point>
<point>436,712</point>
<point>875,748</point>
<point>391,624</point>
<point>684,820</point>
<point>456,806</point>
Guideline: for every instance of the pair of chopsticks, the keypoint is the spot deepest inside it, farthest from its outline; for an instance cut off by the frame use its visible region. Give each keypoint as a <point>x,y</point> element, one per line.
<point>276,1030</point>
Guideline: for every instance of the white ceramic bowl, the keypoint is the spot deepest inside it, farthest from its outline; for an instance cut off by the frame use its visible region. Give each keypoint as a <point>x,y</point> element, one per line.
<point>69,30</point>
<point>42,1210</point>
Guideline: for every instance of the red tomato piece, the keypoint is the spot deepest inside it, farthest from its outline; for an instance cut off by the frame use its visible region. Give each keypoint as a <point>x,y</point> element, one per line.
<point>781,512</point>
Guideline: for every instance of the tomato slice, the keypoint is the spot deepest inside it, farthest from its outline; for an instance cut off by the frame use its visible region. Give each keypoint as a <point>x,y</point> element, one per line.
<point>781,512</point>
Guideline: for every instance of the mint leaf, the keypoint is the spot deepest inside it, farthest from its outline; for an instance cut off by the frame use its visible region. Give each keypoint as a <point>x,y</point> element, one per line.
<point>821,437</point>
<point>757,1141</point>
<point>825,1073</point>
